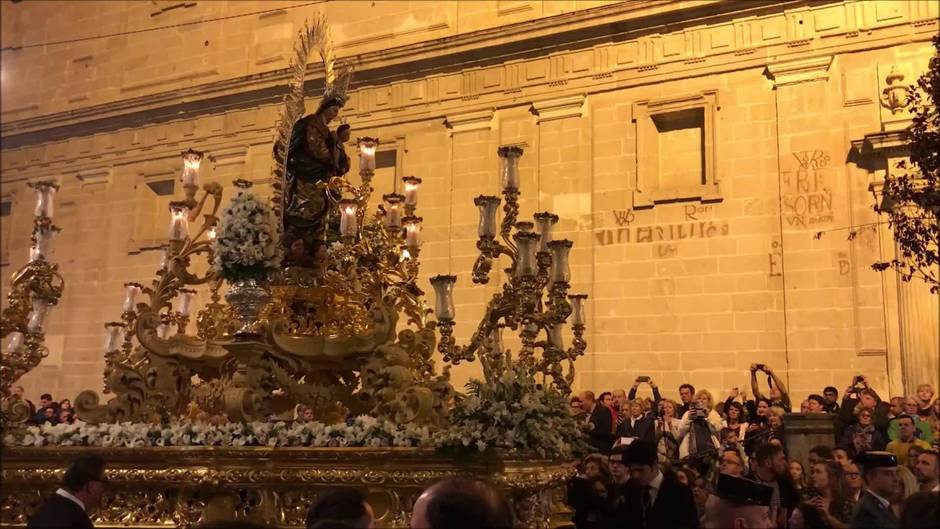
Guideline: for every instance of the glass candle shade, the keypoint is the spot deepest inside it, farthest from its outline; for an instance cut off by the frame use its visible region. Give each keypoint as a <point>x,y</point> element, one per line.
<point>185,300</point>
<point>555,335</point>
<point>212,233</point>
<point>348,222</point>
<point>191,161</point>
<point>367,148</point>
<point>34,253</point>
<point>44,242</point>
<point>131,291</point>
<point>444,296</point>
<point>15,341</point>
<point>412,231</point>
<point>561,271</point>
<point>577,308</point>
<point>114,336</point>
<point>509,166</point>
<point>489,206</point>
<point>179,223</point>
<point>38,315</point>
<point>163,330</point>
<point>393,210</point>
<point>45,194</point>
<point>525,226</point>
<point>411,185</point>
<point>164,257</point>
<point>526,244</point>
<point>544,224</point>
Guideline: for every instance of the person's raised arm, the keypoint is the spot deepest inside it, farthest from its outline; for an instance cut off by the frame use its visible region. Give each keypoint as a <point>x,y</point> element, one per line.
<point>754,387</point>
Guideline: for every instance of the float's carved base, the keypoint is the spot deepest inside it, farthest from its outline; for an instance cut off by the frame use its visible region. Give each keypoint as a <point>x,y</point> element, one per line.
<point>166,487</point>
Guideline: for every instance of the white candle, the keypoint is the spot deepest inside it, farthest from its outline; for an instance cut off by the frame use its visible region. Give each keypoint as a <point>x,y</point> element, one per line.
<point>191,161</point>
<point>393,210</point>
<point>163,330</point>
<point>45,193</point>
<point>412,231</point>
<point>114,337</point>
<point>15,341</point>
<point>367,148</point>
<point>179,224</point>
<point>509,166</point>
<point>131,290</point>
<point>186,298</point>
<point>34,254</point>
<point>411,185</point>
<point>489,206</point>
<point>444,296</point>
<point>348,223</point>
<point>38,316</point>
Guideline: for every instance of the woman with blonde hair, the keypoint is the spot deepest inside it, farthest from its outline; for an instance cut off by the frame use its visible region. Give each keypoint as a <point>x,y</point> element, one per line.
<point>699,430</point>
<point>667,431</point>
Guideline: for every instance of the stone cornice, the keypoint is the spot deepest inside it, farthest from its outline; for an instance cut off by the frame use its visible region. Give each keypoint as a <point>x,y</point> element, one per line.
<point>581,29</point>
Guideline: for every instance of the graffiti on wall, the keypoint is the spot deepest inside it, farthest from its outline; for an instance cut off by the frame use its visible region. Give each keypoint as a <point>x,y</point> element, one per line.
<point>806,200</point>
<point>662,233</point>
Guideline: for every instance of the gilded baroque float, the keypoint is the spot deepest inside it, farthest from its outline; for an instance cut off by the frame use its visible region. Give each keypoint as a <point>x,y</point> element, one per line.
<point>322,312</point>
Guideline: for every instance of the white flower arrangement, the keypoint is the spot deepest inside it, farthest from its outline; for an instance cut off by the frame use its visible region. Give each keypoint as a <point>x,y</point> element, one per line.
<point>248,242</point>
<point>362,431</point>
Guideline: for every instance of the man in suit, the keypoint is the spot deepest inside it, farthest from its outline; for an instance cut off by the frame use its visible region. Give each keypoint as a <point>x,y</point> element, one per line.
<point>82,486</point>
<point>873,511</point>
<point>653,500</point>
<point>637,424</point>
<point>599,416</point>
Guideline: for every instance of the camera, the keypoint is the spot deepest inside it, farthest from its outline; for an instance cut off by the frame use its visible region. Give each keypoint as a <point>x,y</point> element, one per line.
<point>760,367</point>
<point>643,379</point>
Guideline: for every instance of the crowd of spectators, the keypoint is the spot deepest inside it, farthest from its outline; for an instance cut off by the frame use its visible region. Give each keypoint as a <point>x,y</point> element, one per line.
<point>48,411</point>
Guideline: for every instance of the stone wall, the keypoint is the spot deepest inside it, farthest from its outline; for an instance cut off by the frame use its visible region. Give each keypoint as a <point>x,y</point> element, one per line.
<point>694,151</point>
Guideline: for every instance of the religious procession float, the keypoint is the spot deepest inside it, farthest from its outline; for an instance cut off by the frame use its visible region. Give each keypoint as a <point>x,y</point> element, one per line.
<point>314,305</point>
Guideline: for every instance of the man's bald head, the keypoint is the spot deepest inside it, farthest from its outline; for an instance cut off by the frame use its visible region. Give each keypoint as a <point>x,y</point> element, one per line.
<point>461,503</point>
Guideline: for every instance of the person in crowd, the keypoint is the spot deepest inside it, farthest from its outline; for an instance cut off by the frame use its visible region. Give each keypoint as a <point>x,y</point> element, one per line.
<point>686,475</point>
<point>778,391</point>
<point>47,415</point>
<point>895,407</point>
<point>923,430</point>
<point>934,420</point>
<point>699,431</point>
<point>841,456</point>
<point>907,485</point>
<point>461,503</point>
<point>735,418</point>
<point>576,409</point>
<point>667,431</point>
<point>815,404</point>
<point>637,425</point>
<point>600,419</point>
<point>804,406</point>
<point>600,508</point>
<point>921,511</point>
<point>18,392</point>
<point>66,417</point>
<point>700,494</point>
<point>797,475</point>
<point>83,484</point>
<point>739,503</point>
<point>819,454</point>
<point>619,472</point>
<point>853,483</point>
<point>862,436</point>
<point>861,393</point>
<point>913,453</point>
<point>881,483</point>
<point>731,462</point>
<point>757,427</point>
<point>686,396</point>
<point>906,438</point>
<point>580,491</point>
<point>831,394</point>
<point>657,398</point>
<point>928,471</point>
<point>607,400</point>
<point>655,500</point>
<point>924,397</point>
<point>343,504</point>
<point>824,504</point>
<point>620,403</point>
<point>46,403</point>
<point>769,466</point>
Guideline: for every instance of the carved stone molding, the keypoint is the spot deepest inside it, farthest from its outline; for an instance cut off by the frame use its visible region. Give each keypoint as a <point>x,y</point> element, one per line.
<point>799,71</point>
<point>94,177</point>
<point>565,107</point>
<point>471,121</point>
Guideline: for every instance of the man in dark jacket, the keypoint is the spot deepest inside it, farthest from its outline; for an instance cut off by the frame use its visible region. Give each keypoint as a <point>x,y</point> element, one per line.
<point>881,483</point>
<point>601,420</point>
<point>82,487</point>
<point>637,424</point>
<point>652,499</point>
<point>864,395</point>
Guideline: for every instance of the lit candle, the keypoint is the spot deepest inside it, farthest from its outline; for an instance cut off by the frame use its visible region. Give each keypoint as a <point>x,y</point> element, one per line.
<point>114,336</point>
<point>526,244</point>
<point>186,298</point>
<point>45,193</point>
<point>555,335</point>
<point>211,234</point>
<point>34,254</point>
<point>131,290</point>
<point>348,223</point>
<point>444,296</point>
<point>44,243</point>
<point>179,225</point>
<point>577,308</point>
<point>162,331</point>
<point>38,316</point>
<point>545,223</point>
<point>15,341</point>
<point>489,206</point>
<point>405,254</point>
<point>164,257</point>
<point>509,166</point>
<point>412,231</point>
<point>411,190</point>
<point>367,148</point>
<point>393,210</point>
<point>561,272</point>
<point>191,161</point>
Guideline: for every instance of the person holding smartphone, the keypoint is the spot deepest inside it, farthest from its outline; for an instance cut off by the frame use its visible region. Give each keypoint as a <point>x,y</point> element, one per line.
<point>778,390</point>
<point>824,504</point>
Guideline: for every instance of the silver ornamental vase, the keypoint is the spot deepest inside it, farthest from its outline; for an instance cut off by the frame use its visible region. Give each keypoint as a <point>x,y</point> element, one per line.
<point>247,297</point>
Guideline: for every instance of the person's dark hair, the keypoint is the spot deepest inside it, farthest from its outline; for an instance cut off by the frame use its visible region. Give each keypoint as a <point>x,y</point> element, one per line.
<point>602,395</point>
<point>742,413</point>
<point>620,450</point>
<point>45,396</point>
<point>766,452</point>
<point>462,502</point>
<point>830,389</point>
<point>342,127</point>
<point>822,451</point>
<point>817,398</point>
<point>920,511</point>
<point>641,452</point>
<point>905,416</point>
<point>344,504</point>
<point>82,471</point>
<point>690,387</point>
